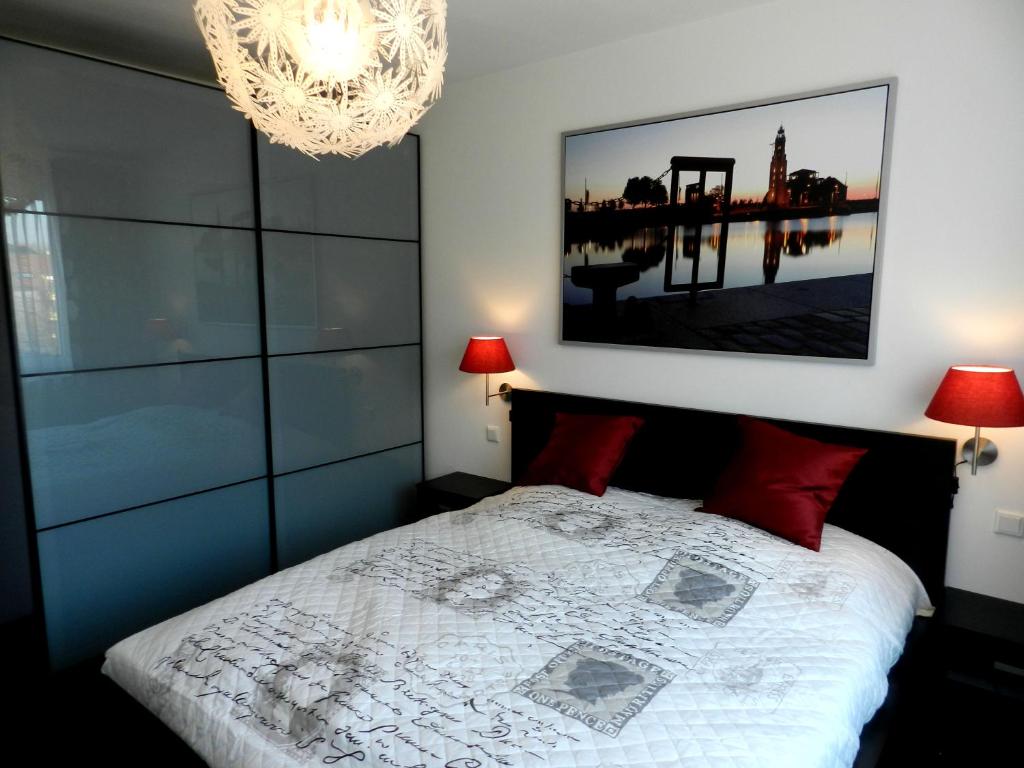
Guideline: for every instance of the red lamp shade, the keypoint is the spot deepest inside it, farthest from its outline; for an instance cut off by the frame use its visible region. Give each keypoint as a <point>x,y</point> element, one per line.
<point>486,354</point>
<point>978,396</point>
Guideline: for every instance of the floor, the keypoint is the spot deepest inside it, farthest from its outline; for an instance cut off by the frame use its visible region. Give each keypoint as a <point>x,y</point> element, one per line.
<point>107,728</point>
<point>960,725</point>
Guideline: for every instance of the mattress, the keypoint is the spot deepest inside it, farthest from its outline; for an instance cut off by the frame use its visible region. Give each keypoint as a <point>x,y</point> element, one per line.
<point>543,627</point>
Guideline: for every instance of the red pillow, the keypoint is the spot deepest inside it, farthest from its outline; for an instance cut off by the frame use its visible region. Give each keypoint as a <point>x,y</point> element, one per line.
<point>782,482</point>
<point>582,452</point>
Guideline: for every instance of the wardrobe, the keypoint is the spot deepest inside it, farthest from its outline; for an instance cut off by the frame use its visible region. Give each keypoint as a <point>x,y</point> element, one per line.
<point>217,350</point>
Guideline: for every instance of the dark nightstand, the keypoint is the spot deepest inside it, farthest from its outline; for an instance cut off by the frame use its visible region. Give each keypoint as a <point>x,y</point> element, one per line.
<point>967,704</point>
<point>455,491</point>
<point>983,642</point>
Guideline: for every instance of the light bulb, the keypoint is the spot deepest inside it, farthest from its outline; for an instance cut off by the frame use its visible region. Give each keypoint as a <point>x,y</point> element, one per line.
<point>339,38</point>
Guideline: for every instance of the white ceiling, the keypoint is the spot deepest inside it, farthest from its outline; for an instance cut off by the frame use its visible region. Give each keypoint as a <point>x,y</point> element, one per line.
<point>484,35</point>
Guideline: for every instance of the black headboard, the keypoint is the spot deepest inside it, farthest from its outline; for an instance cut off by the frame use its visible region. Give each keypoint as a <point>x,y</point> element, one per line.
<point>899,495</point>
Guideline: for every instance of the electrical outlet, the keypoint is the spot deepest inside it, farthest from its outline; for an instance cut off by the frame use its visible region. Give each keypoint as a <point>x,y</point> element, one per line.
<point>492,434</point>
<point>1009,523</point>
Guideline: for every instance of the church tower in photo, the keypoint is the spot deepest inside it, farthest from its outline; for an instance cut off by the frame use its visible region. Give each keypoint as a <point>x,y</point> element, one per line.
<point>778,192</point>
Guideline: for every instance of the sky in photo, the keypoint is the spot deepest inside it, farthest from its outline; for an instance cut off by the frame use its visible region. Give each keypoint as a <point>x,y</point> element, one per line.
<point>838,135</point>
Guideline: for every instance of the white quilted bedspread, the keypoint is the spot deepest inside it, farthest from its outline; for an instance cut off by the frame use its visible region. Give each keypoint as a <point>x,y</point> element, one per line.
<point>542,627</point>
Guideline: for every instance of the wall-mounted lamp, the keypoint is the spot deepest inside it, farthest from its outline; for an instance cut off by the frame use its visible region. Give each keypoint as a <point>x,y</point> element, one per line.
<point>487,355</point>
<point>978,396</point>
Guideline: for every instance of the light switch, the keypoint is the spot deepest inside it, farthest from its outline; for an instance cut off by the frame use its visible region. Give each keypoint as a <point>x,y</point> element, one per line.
<point>1009,523</point>
<point>492,434</point>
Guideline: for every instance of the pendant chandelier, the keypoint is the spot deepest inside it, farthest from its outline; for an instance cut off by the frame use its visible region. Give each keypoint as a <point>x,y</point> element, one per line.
<point>328,76</point>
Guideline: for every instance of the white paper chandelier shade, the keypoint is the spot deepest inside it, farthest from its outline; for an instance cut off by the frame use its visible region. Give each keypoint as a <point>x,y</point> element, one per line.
<point>328,76</point>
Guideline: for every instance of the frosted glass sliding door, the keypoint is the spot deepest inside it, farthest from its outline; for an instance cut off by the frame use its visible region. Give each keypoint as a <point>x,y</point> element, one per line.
<point>132,264</point>
<point>343,335</point>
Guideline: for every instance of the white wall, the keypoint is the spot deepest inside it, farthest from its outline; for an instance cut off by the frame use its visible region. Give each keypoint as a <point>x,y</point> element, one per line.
<point>952,272</point>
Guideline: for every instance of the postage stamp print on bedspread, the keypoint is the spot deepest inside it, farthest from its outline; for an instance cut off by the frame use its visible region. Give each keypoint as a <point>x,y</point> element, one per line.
<point>601,688</point>
<point>701,589</point>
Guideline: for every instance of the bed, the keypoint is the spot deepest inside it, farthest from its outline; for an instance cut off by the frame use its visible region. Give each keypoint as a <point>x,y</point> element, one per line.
<point>549,627</point>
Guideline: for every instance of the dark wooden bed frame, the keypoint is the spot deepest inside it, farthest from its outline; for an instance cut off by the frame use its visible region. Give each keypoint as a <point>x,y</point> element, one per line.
<point>899,496</point>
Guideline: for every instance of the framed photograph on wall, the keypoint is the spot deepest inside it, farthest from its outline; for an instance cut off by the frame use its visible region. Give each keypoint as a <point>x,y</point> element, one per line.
<point>754,228</point>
